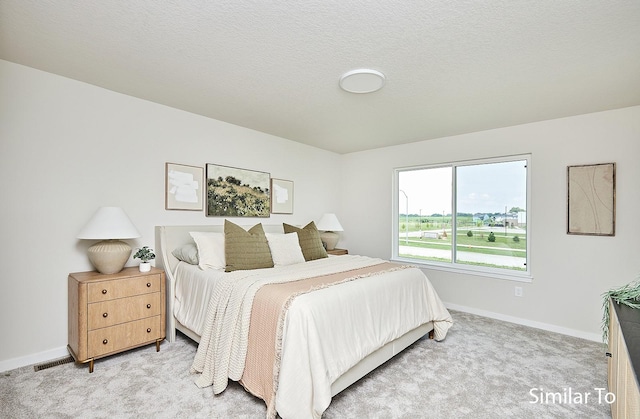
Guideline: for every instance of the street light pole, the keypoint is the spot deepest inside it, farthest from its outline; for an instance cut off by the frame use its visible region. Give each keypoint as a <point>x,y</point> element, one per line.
<point>505,221</point>
<point>406,217</point>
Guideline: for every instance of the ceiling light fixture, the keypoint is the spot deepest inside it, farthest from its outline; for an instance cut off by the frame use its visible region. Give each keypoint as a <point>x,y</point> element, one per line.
<point>362,81</point>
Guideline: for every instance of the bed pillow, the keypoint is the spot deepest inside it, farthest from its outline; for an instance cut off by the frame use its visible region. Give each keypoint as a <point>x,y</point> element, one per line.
<point>246,249</point>
<point>285,249</point>
<point>309,239</point>
<point>187,253</point>
<point>210,247</point>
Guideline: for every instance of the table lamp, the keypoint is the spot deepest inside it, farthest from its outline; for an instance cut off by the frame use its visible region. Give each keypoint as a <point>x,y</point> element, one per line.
<point>328,225</point>
<point>109,224</point>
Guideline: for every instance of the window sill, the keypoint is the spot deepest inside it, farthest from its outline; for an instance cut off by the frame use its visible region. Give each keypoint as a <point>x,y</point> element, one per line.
<point>488,273</point>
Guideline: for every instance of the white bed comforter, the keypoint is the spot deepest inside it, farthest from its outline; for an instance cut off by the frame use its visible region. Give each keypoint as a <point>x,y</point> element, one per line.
<point>325,332</point>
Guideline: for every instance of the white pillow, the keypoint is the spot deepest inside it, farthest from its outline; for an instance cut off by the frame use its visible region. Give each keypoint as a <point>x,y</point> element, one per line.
<point>285,249</point>
<point>210,249</point>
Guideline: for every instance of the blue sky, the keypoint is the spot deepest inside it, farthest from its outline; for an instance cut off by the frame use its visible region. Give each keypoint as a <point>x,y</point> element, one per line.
<point>485,188</point>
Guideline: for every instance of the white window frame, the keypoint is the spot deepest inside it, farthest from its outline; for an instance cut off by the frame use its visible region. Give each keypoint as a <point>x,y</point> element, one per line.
<point>513,275</point>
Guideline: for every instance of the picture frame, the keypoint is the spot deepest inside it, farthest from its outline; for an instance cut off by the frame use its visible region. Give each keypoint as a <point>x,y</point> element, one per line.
<point>235,192</point>
<point>183,187</point>
<point>281,196</point>
<point>591,199</point>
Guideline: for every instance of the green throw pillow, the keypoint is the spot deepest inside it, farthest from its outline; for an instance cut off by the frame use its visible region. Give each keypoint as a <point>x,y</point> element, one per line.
<point>246,249</point>
<point>309,239</point>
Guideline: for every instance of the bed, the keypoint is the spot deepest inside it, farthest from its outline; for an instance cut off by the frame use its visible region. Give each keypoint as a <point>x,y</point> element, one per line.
<point>304,376</point>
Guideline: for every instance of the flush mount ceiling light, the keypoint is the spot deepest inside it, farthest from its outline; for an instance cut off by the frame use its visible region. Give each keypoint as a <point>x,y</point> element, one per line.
<point>362,81</point>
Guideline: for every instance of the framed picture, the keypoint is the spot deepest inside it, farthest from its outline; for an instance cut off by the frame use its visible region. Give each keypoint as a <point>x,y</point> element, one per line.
<point>183,187</point>
<point>591,199</point>
<point>281,196</point>
<point>233,192</point>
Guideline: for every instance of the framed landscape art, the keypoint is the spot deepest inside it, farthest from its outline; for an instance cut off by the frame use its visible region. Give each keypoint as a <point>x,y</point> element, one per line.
<point>234,192</point>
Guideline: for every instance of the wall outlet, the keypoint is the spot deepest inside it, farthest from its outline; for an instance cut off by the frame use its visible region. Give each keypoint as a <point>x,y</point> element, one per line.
<point>518,292</point>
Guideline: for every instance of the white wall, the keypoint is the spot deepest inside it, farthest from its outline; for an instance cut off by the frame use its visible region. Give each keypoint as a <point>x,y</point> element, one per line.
<point>570,272</point>
<point>67,148</point>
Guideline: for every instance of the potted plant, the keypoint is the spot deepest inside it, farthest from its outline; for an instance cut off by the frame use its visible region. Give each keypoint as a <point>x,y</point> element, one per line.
<point>145,255</point>
<point>628,295</point>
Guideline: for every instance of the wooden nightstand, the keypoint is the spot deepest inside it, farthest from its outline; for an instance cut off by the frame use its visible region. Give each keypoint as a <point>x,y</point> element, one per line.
<point>337,251</point>
<point>113,313</point>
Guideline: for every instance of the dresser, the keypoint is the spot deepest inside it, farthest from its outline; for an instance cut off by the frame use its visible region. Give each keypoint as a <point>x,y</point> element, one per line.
<point>113,313</point>
<point>624,361</point>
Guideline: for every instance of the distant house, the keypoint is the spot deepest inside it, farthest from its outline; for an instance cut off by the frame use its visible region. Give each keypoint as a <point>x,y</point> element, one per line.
<point>477,217</point>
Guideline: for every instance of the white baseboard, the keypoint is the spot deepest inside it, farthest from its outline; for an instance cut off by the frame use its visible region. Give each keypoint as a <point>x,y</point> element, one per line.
<point>38,358</point>
<point>52,354</point>
<point>525,322</point>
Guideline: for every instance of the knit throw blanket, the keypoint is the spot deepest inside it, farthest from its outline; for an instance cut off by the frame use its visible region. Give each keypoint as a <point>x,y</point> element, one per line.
<point>223,345</point>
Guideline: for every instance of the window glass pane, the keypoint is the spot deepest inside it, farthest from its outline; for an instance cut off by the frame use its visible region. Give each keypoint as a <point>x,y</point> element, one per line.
<point>491,218</point>
<point>469,215</point>
<point>424,214</point>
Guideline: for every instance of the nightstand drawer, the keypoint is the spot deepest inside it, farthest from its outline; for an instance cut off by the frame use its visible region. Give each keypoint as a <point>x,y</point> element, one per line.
<point>109,313</point>
<point>124,336</point>
<point>109,290</point>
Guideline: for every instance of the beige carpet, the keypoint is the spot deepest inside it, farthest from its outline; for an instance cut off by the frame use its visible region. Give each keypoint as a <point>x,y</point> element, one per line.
<point>484,369</point>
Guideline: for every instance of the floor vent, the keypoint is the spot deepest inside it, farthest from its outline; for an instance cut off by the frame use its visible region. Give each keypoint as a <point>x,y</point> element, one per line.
<point>53,363</point>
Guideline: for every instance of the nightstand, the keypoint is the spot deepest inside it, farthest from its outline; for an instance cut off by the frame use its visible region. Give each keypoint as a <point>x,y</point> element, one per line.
<point>113,313</point>
<point>337,252</point>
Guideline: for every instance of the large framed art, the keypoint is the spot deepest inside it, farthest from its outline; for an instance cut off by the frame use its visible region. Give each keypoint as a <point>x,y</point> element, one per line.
<point>234,192</point>
<point>183,187</point>
<point>591,199</point>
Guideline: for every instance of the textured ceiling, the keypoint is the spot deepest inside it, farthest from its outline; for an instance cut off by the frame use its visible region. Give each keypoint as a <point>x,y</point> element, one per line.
<point>452,66</point>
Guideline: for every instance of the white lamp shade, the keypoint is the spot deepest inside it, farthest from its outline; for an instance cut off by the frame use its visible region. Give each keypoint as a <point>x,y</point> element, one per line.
<point>329,222</point>
<point>109,223</point>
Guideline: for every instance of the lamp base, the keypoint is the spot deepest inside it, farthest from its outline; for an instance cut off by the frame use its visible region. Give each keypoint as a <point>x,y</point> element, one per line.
<point>330,239</point>
<point>109,256</point>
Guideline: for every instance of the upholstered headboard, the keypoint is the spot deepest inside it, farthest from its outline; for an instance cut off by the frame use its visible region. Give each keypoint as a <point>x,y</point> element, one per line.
<point>169,238</point>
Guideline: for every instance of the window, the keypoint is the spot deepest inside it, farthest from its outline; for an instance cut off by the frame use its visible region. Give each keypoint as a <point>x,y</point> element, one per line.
<point>469,216</point>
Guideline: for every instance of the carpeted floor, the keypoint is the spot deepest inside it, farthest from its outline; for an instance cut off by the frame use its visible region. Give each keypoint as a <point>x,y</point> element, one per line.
<point>484,369</point>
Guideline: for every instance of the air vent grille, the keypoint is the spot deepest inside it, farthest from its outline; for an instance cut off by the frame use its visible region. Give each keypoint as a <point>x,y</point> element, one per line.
<point>53,363</point>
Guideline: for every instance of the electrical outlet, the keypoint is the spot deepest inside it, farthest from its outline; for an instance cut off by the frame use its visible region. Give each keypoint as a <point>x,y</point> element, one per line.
<point>518,292</point>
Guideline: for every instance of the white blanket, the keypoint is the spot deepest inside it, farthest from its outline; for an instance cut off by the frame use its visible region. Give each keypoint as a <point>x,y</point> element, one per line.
<point>193,290</point>
<point>328,323</point>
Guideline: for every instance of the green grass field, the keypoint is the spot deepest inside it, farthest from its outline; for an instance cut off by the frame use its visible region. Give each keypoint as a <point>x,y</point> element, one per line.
<point>513,242</point>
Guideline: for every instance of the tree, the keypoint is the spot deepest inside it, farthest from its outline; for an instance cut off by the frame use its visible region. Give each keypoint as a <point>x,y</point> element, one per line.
<point>516,210</point>
<point>492,237</point>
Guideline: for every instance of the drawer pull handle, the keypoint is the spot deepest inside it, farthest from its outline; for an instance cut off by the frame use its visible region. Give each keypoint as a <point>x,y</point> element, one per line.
<point>104,342</point>
<point>104,291</point>
<point>149,330</point>
<point>105,315</point>
<point>148,305</point>
<point>148,284</point>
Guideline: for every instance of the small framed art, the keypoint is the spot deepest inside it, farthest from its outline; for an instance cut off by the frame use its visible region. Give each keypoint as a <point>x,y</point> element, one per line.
<point>233,192</point>
<point>183,187</point>
<point>591,199</point>
<point>281,196</point>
